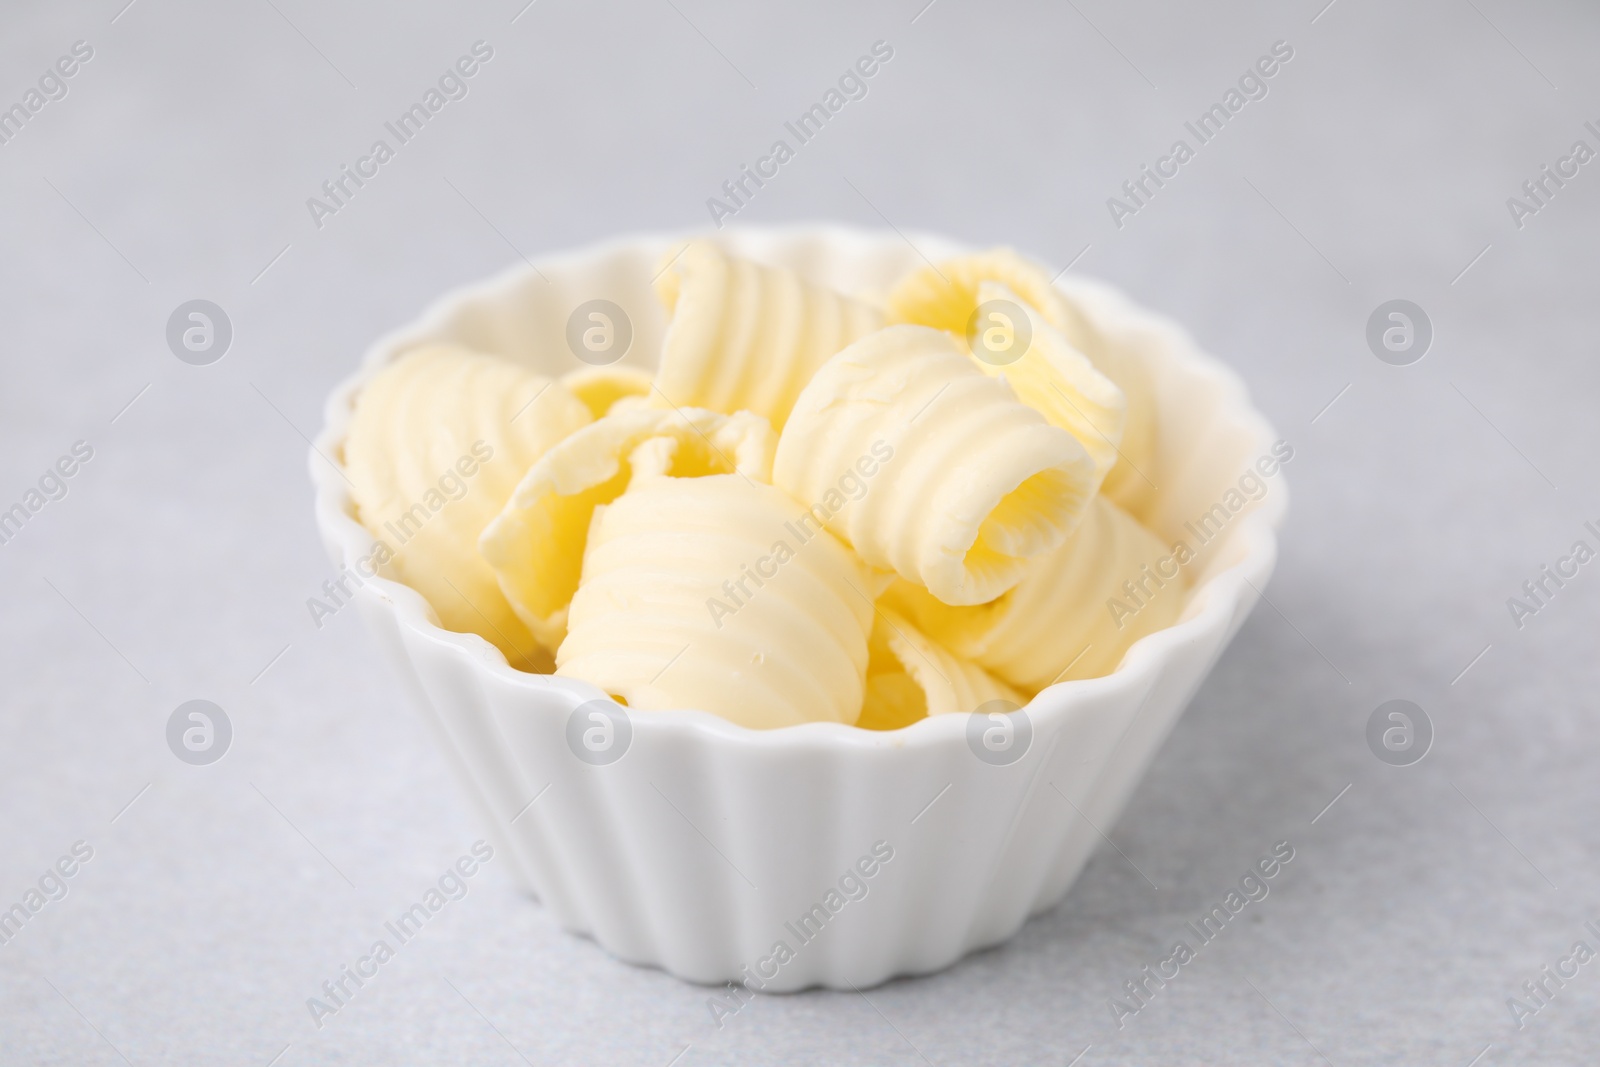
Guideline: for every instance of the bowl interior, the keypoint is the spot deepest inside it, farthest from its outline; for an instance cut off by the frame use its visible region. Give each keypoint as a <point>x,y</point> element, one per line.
<point>522,314</point>
<point>1209,434</point>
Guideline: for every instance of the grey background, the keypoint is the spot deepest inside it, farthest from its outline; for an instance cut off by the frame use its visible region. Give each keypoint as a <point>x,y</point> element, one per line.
<point>179,564</point>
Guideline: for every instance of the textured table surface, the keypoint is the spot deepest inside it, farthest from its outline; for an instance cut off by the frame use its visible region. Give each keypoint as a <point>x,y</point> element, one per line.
<point>1378,165</point>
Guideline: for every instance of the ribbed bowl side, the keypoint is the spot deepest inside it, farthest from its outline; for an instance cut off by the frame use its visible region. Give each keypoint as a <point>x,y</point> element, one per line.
<point>706,845</point>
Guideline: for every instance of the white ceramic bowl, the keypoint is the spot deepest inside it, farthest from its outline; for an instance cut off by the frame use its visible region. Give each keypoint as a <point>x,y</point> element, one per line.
<point>703,846</point>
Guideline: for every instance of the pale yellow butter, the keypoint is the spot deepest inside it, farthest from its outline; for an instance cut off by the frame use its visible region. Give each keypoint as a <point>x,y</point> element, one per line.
<point>747,337</point>
<point>1059,622</point>
<point>910,677</point>
<point>928,467</point>
<point>603,388</point>
<point>536,544</point>
<point>806,515</point>
<point>704,593</point>
<point>1055,379</point>
<point>437,442</point>
<point>946,295</point>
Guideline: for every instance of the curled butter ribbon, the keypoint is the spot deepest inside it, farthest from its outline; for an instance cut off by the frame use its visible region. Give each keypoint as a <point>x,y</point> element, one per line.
<point>698,593</point>
<point>435,446</point>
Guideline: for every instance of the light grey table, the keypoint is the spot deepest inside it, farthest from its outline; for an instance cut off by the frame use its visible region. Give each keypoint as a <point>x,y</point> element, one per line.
<point>1377,166</point>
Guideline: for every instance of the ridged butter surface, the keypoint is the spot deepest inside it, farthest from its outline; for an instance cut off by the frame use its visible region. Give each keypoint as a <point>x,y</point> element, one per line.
<point>744,336</point>
<point>1057,623</point>
<point>706,593</point>
<point>945,296</point>
<point>910,676</point>
<point>536,544</point>
<point>969,483</point>
<point>436,443</point>
<point>1060,383</point>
